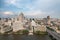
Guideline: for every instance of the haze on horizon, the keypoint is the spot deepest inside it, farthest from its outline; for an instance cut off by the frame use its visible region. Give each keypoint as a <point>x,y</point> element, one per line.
<point>30,8</point>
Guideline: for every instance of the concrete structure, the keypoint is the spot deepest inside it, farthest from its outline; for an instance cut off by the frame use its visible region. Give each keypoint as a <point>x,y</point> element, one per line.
<point>18,23</point>
<point>38,27</point>
<point>48,20</point>
<point>54,34</point>
<point>5,27</point>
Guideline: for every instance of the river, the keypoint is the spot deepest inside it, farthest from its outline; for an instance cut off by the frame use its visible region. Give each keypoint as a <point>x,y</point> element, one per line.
<point>24,37</point>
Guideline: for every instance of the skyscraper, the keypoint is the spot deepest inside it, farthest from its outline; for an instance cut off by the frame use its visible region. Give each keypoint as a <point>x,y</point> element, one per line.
<point>21,16</point>
<point>48,20</point>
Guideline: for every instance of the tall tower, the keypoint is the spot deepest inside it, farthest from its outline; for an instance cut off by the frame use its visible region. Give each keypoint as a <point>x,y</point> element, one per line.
<point>48,20</point>
<point>21,16</point>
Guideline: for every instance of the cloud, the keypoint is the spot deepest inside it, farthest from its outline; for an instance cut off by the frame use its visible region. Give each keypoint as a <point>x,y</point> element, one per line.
<point>8,13</point>
<point>36,13</point>
<point>35,7</point>
<point>9,2</point>
<point>36,4</point>
<point>19,3</point>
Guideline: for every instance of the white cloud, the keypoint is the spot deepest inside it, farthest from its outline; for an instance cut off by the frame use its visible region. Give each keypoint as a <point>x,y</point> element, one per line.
<point>36,7</point>
<point>8,13</point>
<point>9,2</point>
<point>35,4</point>
<point>34,13</point>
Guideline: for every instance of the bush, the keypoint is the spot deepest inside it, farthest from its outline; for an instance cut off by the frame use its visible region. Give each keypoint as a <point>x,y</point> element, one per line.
<point>25,31</point>
<point>18,32</point>
<point>58,27</point>
<point>37,32</point>
<point>50,29</point>
<point>40,33</point>
<point>21,32</point>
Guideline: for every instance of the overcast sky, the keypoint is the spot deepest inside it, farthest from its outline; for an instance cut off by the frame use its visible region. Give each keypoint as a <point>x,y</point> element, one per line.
<point>36,8</point>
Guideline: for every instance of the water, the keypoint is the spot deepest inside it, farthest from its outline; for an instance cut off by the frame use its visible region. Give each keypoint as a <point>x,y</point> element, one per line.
<point>23,37</point>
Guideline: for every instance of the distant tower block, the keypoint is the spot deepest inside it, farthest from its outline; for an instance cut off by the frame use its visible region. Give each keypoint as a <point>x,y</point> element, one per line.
<point>21,16</point>
<point>48,20</point>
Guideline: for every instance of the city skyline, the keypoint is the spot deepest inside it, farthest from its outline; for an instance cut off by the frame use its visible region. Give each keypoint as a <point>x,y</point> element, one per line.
<point>32,8</point>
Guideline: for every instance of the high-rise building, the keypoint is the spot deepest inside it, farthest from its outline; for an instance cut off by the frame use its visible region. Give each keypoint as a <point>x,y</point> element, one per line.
<point>48,20</point>
<point>21,16</point>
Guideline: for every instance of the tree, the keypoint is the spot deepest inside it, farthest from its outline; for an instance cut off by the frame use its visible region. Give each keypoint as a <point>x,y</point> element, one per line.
<point>58,27</point>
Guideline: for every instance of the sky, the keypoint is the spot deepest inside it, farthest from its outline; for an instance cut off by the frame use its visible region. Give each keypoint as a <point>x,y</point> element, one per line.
<point>30,8</point>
